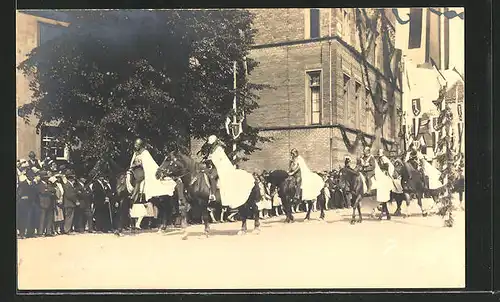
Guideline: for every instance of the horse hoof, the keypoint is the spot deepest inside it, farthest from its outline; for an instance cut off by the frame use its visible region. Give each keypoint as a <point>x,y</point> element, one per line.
<point>353,222</point>
<point>256,231</point>
<point>206,234</point>
<point>425,214</point>
<point>241,232</point>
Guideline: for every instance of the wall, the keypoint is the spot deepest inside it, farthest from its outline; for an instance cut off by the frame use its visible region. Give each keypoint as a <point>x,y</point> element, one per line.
<point>284,68</point>
<point>26,40</point>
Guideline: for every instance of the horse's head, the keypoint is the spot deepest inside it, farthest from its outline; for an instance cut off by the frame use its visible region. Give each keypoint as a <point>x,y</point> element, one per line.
<point>174,165</point>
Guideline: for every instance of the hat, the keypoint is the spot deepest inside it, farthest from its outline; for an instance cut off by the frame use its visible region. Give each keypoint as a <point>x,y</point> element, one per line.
<point>32,154</point>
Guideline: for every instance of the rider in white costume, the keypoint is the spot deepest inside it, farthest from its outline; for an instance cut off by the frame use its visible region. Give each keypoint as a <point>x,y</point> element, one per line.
<point>235,185</point>
<point>151,187</point>
<point>311,183</point>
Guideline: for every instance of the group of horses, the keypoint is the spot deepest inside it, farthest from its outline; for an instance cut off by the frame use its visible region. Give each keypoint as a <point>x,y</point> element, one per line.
<point>197,191</point>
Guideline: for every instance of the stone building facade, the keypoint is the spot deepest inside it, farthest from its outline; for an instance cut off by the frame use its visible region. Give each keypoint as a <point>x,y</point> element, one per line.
<point>312,59</point>
<point>31,31</point>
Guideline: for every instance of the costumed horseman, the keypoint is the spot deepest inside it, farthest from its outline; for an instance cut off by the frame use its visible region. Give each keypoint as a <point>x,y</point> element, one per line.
<point>309,183</point>
<point>235,185</point>
<point>143,167</point>
<point>368,164</point>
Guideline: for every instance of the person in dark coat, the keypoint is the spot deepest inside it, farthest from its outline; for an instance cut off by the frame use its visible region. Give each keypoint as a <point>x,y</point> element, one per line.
<point>26,199</point>
<point>47,199</point>
<point>102,195</point>
<point>83,212</point>
<point>71,201</point>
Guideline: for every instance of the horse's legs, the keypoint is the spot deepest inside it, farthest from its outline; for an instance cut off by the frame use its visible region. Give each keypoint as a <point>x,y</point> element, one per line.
<point>256,217</point>
<point>407,199</point>
<point>205,216</point>
<point>309,204</point>
<point>322,207</point>
<point>243,210</point>
<point>358,205</point>
<point>419,201</point>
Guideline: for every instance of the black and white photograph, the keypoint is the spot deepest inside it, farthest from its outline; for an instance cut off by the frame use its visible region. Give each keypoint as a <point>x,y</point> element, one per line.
<point>240,149</point>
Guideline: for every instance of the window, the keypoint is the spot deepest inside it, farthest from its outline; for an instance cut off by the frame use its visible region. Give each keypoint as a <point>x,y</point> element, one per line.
<point>315,96</point>
<point>314,23</point>
<point>415,37</point>
<point>51,145</point>
<point>358,101</point>
<point>346,82</point>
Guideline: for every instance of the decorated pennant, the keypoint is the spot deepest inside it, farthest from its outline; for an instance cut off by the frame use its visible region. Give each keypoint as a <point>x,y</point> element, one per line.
<point>416,107</point>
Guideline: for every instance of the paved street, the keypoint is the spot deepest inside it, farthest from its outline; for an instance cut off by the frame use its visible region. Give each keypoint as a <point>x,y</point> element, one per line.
<point>409,252</point>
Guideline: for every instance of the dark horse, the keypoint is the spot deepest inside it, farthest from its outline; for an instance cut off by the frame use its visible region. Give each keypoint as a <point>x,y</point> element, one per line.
<point>351,182</point>
<point>287,187</point>
<point>413,183</point>
<point>197,189</point>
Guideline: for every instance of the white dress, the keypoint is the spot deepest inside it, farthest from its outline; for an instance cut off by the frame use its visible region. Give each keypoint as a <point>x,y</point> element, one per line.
<point>312,183</point>
<point>235,185</point>
<point>265,201</point>
<point>384,184</point>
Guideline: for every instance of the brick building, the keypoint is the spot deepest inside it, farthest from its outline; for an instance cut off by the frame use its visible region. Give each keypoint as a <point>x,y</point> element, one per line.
<point>312,59</point>
<point>32,30</point>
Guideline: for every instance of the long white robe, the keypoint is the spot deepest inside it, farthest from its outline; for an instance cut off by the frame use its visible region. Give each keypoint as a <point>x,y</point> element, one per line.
<point>235,185</point>
<point>152,186</point>
<point>312,183</point>
<point>384,184</point>
<point>433,174</point>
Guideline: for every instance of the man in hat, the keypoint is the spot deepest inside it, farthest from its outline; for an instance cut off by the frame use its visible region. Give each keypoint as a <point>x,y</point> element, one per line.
<point>26,198</point>
<point>83,212</point>
<point>101,195</point>
<point>70,199</point>
<point>47,199</point>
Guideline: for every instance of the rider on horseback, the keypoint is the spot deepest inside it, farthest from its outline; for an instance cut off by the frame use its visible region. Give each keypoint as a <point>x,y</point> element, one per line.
<point>137,170</point>
<point>368,165</point>
<point>295,172</point>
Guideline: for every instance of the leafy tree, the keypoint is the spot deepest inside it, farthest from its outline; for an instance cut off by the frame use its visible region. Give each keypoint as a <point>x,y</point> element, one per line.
<point>164,75</point>
<point>371,23</point>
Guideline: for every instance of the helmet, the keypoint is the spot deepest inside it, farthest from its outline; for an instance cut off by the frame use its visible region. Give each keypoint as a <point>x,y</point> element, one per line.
<point>212,139</point>
<point>139,143</point>
<point>294,152</point>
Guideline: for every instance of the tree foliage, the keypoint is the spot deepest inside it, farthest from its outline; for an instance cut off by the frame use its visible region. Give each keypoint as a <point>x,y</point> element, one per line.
<point>163,75</point>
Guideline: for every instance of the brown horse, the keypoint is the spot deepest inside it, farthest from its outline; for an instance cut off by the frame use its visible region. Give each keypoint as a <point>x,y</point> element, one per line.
<point>197,186</point>
<point>351,182</point>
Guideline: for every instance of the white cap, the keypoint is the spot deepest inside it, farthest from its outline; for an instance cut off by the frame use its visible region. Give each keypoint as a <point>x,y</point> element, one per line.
<point>212,139</point>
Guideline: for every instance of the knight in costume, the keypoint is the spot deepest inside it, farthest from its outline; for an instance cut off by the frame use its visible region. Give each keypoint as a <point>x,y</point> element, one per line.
<point>295,172</point>
<point>147,186</point>
<point>235,185</point>
<point>368,164</point>
<point>310,183</point>
<point>147,183</point>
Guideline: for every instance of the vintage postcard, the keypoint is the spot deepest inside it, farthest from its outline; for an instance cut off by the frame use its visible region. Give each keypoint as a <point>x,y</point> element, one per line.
<point>283,148</point>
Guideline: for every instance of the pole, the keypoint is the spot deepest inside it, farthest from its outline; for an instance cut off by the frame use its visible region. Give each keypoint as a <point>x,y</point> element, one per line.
<point>330,83</point>
<point>234,109</point>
